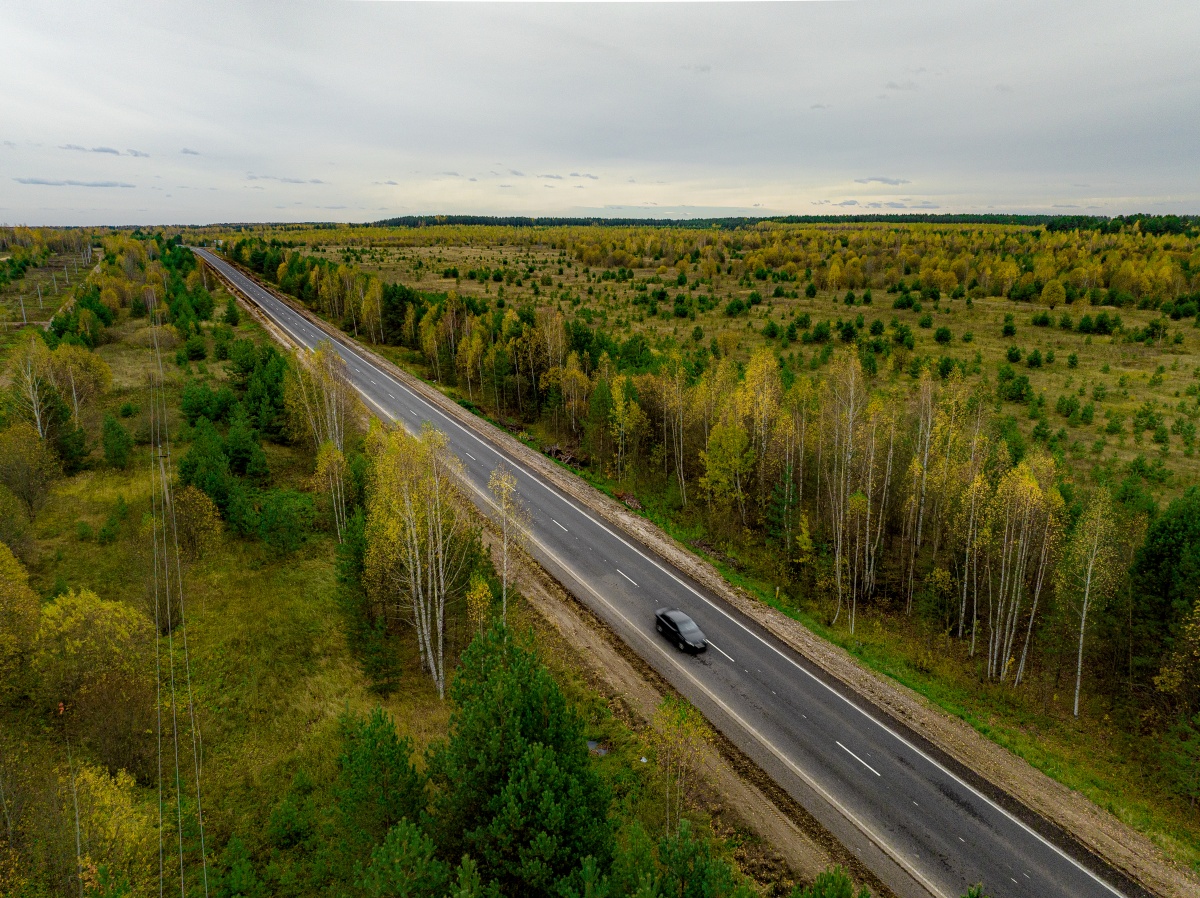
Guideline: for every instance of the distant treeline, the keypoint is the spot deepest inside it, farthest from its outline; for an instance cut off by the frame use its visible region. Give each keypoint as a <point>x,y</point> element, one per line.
<point>1150,224</point>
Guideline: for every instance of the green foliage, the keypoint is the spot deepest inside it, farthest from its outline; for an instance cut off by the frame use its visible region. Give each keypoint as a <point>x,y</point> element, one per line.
<point>833,883</point>
<point>245,453</point>
<point>689,869</point>
<point>199,400</point>
<point>195,348</point>
<point>1181,757</point>
<point>206,466</point>
<point>377,786</point>
<point>285,519</point>
<point>117,443</point>
<point>1166,578</point>
<point>239,879</point>
<point>513,786</point>
<point>405,866</point>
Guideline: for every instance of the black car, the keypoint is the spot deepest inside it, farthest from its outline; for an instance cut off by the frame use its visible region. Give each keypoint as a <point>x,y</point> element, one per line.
<point>680,629</point>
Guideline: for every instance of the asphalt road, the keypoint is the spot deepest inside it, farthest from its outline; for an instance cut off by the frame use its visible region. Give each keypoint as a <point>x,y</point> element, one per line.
<point>920,828</point>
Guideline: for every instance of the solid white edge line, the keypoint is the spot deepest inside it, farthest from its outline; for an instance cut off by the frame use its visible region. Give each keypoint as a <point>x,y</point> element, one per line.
<point>554,491</point>
<point>621,572</point>
<point>721,650</point>
<point>861,761</point>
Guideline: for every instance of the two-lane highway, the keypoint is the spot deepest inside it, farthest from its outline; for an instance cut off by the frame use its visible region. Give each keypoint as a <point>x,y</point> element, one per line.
<point>919,827</point>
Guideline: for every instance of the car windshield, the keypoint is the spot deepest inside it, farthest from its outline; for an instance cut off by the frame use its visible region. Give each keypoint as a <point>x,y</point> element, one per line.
<point>688,628</point>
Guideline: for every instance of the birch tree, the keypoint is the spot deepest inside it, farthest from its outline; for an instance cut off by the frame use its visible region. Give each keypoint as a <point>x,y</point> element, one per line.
<point>923,416</point>
<point>32,387</point>
<point>673,389</point>
<point>1088,571</point>
<point>680,736</point>
<point>513,521</point>
<point>324,406</point>
<point>845,398</point>
<point>419,536</point>
<point>1025,517</point>
<point>79,375</point>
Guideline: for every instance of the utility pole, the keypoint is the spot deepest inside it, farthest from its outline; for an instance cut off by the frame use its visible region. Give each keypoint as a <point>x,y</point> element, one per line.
<point>39,286</point>
<point>23,318</point>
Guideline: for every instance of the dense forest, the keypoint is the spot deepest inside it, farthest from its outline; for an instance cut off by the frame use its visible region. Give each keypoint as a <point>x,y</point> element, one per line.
<point>1002,522</point>
<point>197,533</point>
<point>873,482</point>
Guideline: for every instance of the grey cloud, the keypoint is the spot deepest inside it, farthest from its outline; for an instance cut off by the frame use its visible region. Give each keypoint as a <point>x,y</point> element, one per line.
<point>111,150</point>
<point>891,182</point>
<point>587,175</point>
<point>451,174</point>
<point>847,203</point>
<point>976,130</point>
<point>138,153</point>
<point>48,182</point>
<point>552,177</point>
<point>281,180</point>
<point>187,152</point>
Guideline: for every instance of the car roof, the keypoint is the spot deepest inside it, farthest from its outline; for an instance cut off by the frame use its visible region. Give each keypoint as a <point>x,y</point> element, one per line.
<point>678,616</point>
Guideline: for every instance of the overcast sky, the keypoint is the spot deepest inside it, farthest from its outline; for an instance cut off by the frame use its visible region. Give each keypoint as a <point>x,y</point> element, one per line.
<point>190,113</point>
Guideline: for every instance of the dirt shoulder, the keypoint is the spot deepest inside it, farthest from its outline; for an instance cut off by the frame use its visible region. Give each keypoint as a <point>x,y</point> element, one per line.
<point>1063,816</point>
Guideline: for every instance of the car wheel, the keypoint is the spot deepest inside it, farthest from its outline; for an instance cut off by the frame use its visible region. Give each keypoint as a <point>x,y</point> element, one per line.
<point>658,627</point>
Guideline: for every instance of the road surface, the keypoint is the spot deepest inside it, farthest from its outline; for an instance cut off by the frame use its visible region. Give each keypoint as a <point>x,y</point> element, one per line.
<point>921,829</point>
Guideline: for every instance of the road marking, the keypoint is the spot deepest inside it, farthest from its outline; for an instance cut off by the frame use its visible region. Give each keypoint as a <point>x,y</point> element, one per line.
<point>670,572</point>
<point>860,760</point>
<point>718,648</point>
<point>470,456</point>
<point>561,526</point>
<point>390,396</point>
<point>619,571</point>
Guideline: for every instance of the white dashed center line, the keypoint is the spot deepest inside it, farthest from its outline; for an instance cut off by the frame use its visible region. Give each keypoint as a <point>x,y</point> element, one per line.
<point>718,648</point>
<point>619,571</point>
<point>860,760</point>
<point>470,456</point>
<point>561,526</point>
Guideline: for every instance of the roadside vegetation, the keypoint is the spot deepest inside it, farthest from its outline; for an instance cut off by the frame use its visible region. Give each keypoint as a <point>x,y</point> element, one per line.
<point>965,451</point>
<point>222,670</point>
